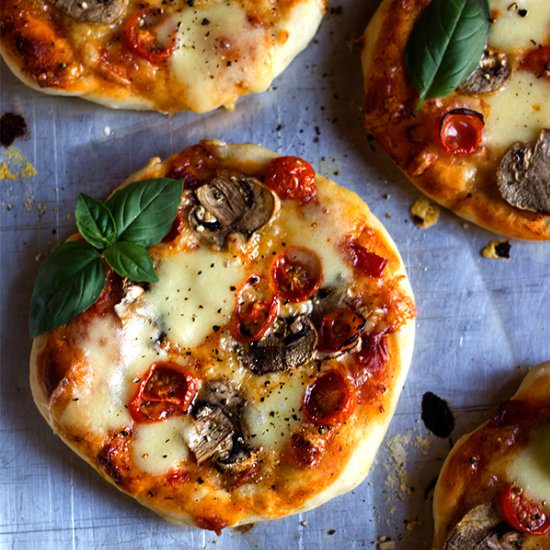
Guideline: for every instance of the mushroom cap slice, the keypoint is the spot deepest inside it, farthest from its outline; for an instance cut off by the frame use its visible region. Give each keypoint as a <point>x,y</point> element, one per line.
<point>290,345</point>
<point>489,76</point>
<point>523,176</point>
<point>93,11</point>
<point>231,205</point>
<point>482,529</point>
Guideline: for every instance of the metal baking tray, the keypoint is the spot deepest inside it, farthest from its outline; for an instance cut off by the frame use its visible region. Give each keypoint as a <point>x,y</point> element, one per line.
<point>481,322</point>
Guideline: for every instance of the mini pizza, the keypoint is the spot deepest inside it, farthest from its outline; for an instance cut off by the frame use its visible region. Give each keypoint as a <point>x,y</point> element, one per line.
<point>245,345</point>
<point>493,490</point>
<point>458,93</point>
<point>158,55</point>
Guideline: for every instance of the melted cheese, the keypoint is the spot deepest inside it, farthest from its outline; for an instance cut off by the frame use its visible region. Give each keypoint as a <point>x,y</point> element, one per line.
<point>319,237</point>
<point>273,409</point>
<point>519,112</point>
<point>217,49</point>
<point>195,292</point>
<point>510,31</point>
<point>159,447</point>
<point>531,468</point>
<point>99,398</point>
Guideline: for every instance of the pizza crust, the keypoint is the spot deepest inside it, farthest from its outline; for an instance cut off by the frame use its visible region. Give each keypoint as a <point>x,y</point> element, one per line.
<point>452,184</point>
<point>535,385</point>
<point>252,159</point>
<point>303,18</point>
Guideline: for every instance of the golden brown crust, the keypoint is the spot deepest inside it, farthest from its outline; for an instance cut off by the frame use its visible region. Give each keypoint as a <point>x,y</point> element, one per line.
<point>474,470</point>
<point>280,490</point>
<point>466,185</point>
<point>53,53</point>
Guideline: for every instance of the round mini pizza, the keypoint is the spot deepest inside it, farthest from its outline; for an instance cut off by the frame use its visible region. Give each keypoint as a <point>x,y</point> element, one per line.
<point>493,491</point>
<point>161,55</point>
<point>225,338</point>
<point>458,93</point>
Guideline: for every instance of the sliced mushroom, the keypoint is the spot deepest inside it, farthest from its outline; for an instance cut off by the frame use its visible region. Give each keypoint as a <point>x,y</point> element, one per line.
<point>290,344</point>
<point>523,176</point>
<point>489,76</point>
<point>93,11</point>
<point>482,529</point>
<point>231,205</point>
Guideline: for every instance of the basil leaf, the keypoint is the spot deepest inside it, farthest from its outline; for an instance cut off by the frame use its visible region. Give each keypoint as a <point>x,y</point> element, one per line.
<point>446,45</point>
<point>94,221</point>
<point>69,282</point>
<point>132,261</point>
<point>144,210</point>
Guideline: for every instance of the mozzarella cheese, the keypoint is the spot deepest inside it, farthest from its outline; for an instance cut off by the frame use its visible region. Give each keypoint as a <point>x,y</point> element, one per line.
<point>518,112</point>
<point>98,400</point>
<point>519,24</point>
<point>159,447</point>
<point>273,410</point>
<point>196,291</point>
<point>218,48</point>
<point>531,468</point>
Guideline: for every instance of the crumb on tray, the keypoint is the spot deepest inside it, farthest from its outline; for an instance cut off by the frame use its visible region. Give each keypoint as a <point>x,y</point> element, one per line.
<point>497,250</point>
<point>424,213</point>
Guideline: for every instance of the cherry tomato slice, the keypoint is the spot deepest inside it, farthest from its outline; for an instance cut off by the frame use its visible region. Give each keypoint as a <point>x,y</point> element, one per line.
<point>297,274</point>
<point>340,329</point>
<point>461,131</point>
<point>256,309</point>
<point>141,35</point>
<point>367,262</point>
<point>192,165</point>
<point>521,513</point>
<point>291,178</point>
<point>537,61</point>
<point>329,400</point>
<point>177,225</point>
<point>166,391</point>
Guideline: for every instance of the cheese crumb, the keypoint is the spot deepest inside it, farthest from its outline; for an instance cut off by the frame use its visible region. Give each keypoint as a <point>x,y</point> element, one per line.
<point>424,213</point>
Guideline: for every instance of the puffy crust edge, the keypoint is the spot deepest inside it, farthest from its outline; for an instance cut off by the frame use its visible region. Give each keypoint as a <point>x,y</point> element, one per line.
<point>488,211</point>
<point>254,157</point>
<point>443,502</point>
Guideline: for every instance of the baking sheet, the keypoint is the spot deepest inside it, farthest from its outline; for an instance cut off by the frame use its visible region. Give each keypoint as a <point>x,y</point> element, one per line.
<point>481,322</point>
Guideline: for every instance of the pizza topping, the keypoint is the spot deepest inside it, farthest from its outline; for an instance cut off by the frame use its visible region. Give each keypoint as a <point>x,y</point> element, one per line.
<point>521,513</point>
<point>482,529</point>
<point>461,131</point>
<point>231,205</point>
<point>340,330</point>
<point>329,400</point>
<point>141,35</point>
<point>537,61</point>
<point>367,262</point>
<point>256,309</point>
<point>131,292</point>
<point>166,391</point>
<point>304,451</point>
<point>297,274</point>
<point>489,76</point>
<point>93,11</point>
<point>290,344</point>
<point>291,178</point>
<point>523,175</point>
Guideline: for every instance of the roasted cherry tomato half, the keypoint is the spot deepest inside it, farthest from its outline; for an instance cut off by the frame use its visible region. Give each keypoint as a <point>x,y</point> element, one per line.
<point>256,309</point>
<point>521,513</point>
<point>537,61</point>
<point>192,165</point>
<point>297,274</point>
<point>291,178</point>
<point>461,131</point>
<point>142,32</point>
<point>367,262</point>
<point>340,329</point>
<point>177,225</point>
<point>167,390</point>
<point>329,400</point>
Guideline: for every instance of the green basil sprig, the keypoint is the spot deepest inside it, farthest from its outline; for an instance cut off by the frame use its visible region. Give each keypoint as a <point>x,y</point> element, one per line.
<point>117,233</point>
<point>446,45</point>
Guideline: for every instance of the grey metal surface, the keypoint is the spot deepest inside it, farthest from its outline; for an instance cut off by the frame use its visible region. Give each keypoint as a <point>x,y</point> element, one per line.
<point>479,321</point>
